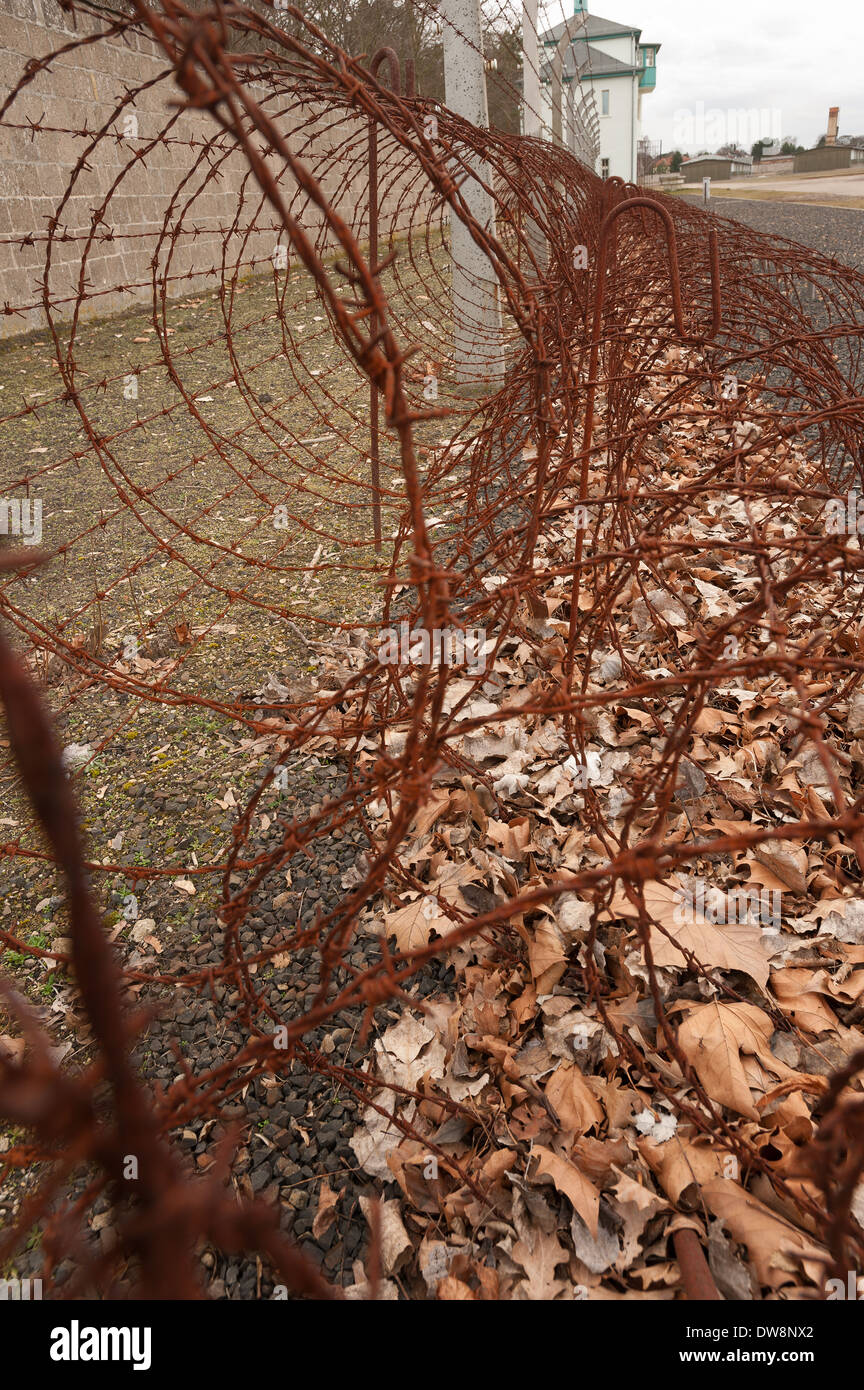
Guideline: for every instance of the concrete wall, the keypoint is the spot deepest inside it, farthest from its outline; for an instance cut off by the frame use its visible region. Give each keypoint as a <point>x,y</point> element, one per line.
<point>619,131</point>
<point>825,157</point>
<point>171,189</point>
<point>620,46</point>
<point>774,164</point>
<point>706,169</point>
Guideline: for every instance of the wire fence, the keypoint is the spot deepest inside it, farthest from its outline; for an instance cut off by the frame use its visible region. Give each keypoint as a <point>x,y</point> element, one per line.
<point>614,532</point>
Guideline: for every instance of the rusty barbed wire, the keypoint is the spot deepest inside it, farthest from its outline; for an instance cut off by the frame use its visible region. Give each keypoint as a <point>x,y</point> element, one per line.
<point>568,488</point>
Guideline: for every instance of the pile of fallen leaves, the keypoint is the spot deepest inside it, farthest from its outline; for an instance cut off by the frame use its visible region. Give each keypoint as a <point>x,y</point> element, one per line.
<point>633,1047</point>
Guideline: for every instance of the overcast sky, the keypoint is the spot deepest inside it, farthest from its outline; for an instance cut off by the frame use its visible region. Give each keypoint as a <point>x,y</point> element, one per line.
<point>794,58</point>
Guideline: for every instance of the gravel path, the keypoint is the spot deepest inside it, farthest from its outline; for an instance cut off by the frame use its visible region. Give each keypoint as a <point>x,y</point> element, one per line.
<point>295,1127</point>
<point>836,232</point>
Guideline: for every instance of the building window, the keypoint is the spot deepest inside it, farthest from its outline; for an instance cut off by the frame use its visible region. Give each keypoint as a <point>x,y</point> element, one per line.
<point>604,168</point>
<point>604,102</point>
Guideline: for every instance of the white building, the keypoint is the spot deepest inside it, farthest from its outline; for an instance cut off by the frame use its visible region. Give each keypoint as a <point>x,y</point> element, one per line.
<point>605,70</point>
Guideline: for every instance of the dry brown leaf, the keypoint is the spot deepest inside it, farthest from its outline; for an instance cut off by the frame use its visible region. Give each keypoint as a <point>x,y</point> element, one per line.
<point>396,1246</point>
<point>413,924</point>
<point>326,1212</point>
<point>661,902</point>
<point>435,803</point>
<point>373,1141</point>
<point>579,1191</point>
<point>539,1261</point>
<point>731,947</point>
<point>805,1006</point>
<point>773,1244</point>
<point>680,1162</point>
<point>712,1038</point>
<point>408,1051</point>
<point>572,1099</point>
<point>723,947</point>
<point>635,1206</point>
<point>514,839</point>
<point>786,860</point>
<point>453,1290</point>
<point>547,958</point>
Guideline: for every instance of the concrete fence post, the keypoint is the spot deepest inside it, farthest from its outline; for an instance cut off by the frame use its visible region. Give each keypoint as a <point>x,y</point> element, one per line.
<point>478,345</point>
<point>531,122</point>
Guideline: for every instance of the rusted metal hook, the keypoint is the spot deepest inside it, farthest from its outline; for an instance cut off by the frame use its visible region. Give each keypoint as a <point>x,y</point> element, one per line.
<point>643,200</point>
<point>393,63</point>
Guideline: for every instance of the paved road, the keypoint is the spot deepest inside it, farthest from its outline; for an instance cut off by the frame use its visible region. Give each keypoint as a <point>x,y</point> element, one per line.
<point>846,185</point>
